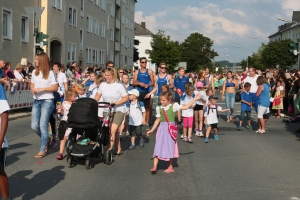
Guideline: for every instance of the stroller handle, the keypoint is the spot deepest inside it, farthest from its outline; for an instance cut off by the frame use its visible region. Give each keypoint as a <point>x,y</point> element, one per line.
<point>104,105</point>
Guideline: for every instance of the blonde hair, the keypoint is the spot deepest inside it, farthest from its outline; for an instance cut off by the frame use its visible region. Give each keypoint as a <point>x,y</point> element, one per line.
<point>161,64</point>
<point>167,95</point>
<point>112,72</point>
<point>200,74</point>
<point>80,86</point>
<point>19,66</point>
<point>70,93</point>
<point>99,79</point>
<point>44,65</point>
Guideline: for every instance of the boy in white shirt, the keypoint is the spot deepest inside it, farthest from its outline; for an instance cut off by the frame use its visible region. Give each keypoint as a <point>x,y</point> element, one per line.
<point>137,113</point>
<point>211,117</point>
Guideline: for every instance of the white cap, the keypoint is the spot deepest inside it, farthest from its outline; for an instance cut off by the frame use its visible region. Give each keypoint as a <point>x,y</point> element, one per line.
<point>135,92</point>
<point>24,61</point>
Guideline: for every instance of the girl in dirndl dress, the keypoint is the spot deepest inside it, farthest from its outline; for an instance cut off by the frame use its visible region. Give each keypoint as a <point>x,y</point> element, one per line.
<point>166,147</point>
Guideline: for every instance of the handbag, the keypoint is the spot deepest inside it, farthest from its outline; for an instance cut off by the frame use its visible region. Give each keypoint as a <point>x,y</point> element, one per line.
<point>238,97</point>
<point>173,129</point>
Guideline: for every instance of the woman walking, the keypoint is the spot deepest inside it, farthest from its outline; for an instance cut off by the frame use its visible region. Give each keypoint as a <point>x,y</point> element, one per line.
<point>229,86</point>
<point>43,84</point>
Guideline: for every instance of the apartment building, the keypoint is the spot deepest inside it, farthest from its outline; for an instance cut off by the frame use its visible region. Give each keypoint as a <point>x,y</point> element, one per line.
<point>90,32</point>
<point>16,39</point>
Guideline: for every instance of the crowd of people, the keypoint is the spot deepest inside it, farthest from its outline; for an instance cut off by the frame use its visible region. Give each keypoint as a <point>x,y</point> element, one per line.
<point>181,98</point>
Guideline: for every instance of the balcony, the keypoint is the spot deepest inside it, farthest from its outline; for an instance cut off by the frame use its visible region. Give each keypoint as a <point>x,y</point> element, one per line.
<point>118,3</point>
<point>117,24</point>
<point>117,46</point>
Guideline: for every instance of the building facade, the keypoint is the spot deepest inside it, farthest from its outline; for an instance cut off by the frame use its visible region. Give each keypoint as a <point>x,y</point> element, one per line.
<point>16,39</point>
<point>90,32</point>
<point>143,35</point>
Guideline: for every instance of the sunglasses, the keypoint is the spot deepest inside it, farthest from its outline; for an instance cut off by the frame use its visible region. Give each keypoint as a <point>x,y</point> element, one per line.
<point>143,62</point>
<point>163,68</point>
<point>121,72</point>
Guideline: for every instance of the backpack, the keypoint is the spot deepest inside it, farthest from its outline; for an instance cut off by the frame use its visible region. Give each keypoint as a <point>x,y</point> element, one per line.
<point>91,92</point>
<point>216,108</point>
<point>138,105</point>
<point>83,113</point>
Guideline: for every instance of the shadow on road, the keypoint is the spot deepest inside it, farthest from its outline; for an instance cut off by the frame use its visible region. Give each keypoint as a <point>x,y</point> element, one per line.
<point>39,184</point>
<point>12,158</point>
<point>19,145</point>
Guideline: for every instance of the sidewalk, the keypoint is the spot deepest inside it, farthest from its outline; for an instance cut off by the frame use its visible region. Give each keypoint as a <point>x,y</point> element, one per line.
<point>14,114</point>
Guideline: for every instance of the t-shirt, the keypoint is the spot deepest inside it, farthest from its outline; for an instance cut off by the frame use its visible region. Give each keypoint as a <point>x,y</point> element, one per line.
<point>136,113</point>
<point>252,81</point>
<point>113,93</point>
<point>4,107</point>
<point>61,79</point>
<point>39,82</point>
<point>1,73</point>
<point>202,97</point>
<point>176,107</point>
<point>212,117</point>
<point>247,97</point>
<point>184,101</point>
<point>18,75</point>
<point>69,73</point>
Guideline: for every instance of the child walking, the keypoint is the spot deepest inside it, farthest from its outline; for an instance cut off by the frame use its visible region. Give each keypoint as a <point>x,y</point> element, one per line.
<point>166,147</point>
<point>63,132</point>
<point>188,114</point>
<point>137,113</point>
<point>246,106</point>
<point>211,117</point>
<point>198,109</point>
<point>81,91</point>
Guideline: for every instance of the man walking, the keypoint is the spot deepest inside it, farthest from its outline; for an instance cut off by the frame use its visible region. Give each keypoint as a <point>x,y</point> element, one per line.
<point>252,80</point>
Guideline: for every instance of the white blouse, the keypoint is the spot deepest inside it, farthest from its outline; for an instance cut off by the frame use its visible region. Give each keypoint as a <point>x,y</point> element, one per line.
<point>176,107</point>
<point>39,82</point>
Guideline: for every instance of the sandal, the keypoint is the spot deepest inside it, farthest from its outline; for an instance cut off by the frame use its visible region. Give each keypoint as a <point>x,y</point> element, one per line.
<point>153,170</point>
<point>39,155</point>
<point>169,170</point>
<point>258,131</point>
<point>118,154</point>
<point>47,149</point>
<point>59,156</point>
<point>262,132</point>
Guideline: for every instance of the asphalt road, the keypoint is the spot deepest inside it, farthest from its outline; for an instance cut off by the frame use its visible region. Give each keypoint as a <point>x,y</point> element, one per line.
<point>241,165</point>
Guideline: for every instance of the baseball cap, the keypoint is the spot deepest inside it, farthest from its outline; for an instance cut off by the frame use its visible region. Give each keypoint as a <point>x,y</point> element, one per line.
<point>135,92</point>
<point>199,84</point>
<point>212,97</point>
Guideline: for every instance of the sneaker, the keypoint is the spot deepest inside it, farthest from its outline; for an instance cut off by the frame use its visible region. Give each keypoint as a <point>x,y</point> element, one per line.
<point>142,142</point>
<point>53,144</point>
<point>201,134</point>
<point>182,136</point>
<point>190,140</point>
<point>185,139</point>
<point>282,115</point>
<point>216,137</point>
<point>249,127</point>
<point>240,128</point>
<point>132,146</point>
<point>59,156</point>
<point>206,140</point>
<point>169,170</point>
<point>197,133</point>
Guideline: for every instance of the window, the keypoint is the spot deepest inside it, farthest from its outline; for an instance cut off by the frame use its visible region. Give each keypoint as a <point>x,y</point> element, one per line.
<point>122,60</point>
<point>82,8</point>
<point>112,10</point>
<point>126,22</point>
<point>122,39</point>
<point>103,5</point>
<point>123,18</point>
<point>112,33</point>
<point>95,56</point>
<point>89,24</point>
<point>101,57</point>
<point>81,40</point>
<point>24,29</point>
<point>111,56</point>
<point>57,4</point>
<point>102,30</point>
<point>97,2</point>
<point>7,24</point>
<point>126,42</point>
<point>71,52</point>
<point>108,25</point>
<point>95,26</point>
<point>88,55</point>
<point>72,16</point>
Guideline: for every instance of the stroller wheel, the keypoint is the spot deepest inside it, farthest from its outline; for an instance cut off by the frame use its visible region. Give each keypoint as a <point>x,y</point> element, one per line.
<point>88,163</point>
<point>70,162</point>
<point>108,157</point>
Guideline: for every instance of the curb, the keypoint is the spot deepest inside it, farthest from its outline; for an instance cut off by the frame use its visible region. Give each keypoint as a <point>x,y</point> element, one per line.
<point>18,117</point>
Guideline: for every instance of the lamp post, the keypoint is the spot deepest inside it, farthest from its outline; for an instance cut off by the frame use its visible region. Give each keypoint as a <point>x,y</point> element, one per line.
<point>256,38</point>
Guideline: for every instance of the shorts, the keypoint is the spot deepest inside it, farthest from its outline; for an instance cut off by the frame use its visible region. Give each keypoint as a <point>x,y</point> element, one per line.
<point>135,130</point>
<point>177,100</point>
<point>145,101</point>
<point>116,117</point>
<point>213,126</point>
<point>261,111</point>
<point>2,159</point>
<point>266,116</point>
<point>198,107</point>
<point>188,122</point>
<point>248,114</point>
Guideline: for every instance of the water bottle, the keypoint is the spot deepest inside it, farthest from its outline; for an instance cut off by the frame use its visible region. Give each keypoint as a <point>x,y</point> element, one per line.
<point>58,107</point>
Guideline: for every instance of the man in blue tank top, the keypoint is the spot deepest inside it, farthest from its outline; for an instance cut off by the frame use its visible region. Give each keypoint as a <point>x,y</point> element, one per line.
<point>142,80</point>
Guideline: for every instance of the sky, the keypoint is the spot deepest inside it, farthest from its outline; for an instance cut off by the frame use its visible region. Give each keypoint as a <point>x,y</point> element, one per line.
<point>226,22</point>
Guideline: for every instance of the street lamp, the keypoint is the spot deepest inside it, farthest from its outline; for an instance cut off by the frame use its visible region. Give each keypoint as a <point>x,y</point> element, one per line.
<point>288,21</point>
<point>255,38</point>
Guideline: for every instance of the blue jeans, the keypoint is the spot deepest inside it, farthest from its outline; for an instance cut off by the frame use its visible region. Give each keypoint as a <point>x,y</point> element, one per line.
<point>229,99</point>
<point>41,111</point>
<point>254,100</point>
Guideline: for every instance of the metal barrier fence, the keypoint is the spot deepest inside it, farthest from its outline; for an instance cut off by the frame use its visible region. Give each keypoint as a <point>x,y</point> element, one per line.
<point>21,97</point>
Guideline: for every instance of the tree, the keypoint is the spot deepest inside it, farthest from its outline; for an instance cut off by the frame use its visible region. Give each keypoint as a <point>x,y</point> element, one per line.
<point>196,51</point>
<point>277,53</point>
<point>135,54</point>
<point>164,50</point>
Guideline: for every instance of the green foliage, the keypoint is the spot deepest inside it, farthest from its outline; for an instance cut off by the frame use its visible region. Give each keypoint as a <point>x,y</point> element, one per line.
<point>197,51</point>
<point>277,53</point>
<point>164,50</point>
